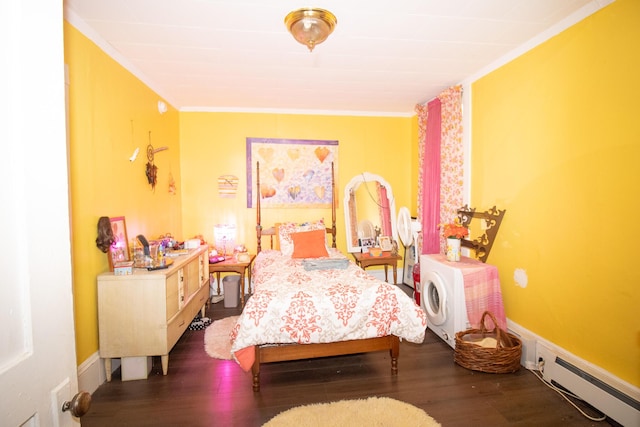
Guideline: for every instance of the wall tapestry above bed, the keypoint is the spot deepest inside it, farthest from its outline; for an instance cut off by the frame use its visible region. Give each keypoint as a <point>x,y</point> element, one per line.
<point>294,173</point>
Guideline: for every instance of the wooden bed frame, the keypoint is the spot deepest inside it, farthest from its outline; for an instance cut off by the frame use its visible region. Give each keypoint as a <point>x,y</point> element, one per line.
<point>284,352</point>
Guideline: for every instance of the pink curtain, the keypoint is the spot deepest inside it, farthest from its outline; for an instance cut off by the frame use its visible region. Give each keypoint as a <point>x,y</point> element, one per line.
<point>440,172</point>
<point>353,219</point>
<point>430,168</point>
<point>385,211</point>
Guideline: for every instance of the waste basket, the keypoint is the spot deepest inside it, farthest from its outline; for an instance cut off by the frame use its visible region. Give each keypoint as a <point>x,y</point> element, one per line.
<point>231,286</point>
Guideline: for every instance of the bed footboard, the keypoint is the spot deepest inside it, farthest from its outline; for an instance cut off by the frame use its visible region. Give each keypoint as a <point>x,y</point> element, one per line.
<point>280,353</point>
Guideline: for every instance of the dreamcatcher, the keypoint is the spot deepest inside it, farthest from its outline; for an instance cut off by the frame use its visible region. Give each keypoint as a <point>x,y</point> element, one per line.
<point>152,170</point>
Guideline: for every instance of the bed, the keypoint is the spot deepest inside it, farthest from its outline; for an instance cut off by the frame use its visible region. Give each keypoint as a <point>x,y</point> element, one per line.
<point>311,301</point>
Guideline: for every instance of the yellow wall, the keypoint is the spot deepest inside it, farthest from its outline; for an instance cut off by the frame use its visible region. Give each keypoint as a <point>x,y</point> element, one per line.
<point>556,143</point>
<point>110,114</point>
<point>214,144</point>
<point>415,165</point>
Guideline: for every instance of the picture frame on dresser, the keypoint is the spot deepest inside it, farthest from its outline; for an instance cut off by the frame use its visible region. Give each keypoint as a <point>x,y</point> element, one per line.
<point>385,243</point>
<point>119,249</point>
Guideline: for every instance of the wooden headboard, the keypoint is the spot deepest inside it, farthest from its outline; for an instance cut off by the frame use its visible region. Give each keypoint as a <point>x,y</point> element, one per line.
<point>271,231</point>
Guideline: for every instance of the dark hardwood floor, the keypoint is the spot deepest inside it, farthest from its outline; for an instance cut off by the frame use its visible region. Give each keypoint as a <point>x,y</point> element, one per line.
<point>201,391</point>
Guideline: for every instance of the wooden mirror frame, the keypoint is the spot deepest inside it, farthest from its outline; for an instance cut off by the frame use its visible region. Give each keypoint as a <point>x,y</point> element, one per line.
<point>482,244</point>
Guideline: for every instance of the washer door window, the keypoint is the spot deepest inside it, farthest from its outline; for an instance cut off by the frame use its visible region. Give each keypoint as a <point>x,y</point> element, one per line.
<point>434,298</point>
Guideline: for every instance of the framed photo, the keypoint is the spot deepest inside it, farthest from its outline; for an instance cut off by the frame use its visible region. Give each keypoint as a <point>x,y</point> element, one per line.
<point>119,250</point>
<point>367,242</point>
<point>385,243</point>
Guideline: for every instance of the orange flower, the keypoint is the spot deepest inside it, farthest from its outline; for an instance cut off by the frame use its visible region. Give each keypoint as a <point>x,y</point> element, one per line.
<point>454,230</point>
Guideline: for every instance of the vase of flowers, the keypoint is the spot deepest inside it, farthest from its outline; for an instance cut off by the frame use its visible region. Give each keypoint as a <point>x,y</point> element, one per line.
<point>454,233</point>
<point>453,249</point>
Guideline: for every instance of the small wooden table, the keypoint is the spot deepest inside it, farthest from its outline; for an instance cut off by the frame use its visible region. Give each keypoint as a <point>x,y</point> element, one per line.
<point>387,259</point>
<point>230,265</point>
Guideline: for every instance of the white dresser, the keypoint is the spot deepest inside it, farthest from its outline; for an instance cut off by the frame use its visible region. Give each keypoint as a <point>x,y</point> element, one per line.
<point>145,313</point>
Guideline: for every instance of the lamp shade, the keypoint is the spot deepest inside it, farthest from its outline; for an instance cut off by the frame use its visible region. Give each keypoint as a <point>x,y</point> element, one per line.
<point>310,26</point>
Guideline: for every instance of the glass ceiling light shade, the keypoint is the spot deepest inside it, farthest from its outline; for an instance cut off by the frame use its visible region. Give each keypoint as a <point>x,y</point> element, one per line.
<point>310,26</point>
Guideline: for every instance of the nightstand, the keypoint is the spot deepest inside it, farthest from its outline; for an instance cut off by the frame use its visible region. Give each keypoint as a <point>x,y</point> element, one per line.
<point>230,265</point>
<point>364,260</point>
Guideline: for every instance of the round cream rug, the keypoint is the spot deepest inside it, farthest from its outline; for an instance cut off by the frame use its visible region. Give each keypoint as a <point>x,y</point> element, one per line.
<point>371,412</point>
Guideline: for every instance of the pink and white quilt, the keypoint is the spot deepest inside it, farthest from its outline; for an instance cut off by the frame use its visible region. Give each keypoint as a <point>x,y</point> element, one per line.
<point>293,305</point>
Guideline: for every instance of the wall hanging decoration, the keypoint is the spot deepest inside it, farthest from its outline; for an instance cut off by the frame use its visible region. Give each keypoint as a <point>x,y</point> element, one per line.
<point>488,222</point>
<point>294,173</point>
<point>227,186</point>
<point>151,169</point>
<point>133,156</point>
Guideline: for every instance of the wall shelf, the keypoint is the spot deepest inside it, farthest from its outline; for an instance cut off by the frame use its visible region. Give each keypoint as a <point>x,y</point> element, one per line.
<point>489,221</point>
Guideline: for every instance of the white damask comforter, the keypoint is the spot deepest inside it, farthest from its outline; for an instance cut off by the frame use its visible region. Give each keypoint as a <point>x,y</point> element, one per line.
<point>292,305</point>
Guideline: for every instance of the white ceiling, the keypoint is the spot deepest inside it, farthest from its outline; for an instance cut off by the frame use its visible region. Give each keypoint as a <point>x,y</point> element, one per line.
<point>383,57</point>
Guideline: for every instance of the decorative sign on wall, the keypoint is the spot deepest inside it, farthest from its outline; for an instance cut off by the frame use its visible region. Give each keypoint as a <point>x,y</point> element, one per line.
<point>294,173</point>
<point>227,186</point>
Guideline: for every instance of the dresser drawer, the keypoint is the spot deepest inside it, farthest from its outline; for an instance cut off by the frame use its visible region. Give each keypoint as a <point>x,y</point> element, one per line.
<point>176,327</point>
<point>173,295</point>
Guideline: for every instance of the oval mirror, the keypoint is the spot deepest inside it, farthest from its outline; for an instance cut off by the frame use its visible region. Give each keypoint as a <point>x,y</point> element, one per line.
<point>369,210</point>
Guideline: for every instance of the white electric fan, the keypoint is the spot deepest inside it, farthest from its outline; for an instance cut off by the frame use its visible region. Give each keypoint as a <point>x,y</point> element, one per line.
<point>408,230</point>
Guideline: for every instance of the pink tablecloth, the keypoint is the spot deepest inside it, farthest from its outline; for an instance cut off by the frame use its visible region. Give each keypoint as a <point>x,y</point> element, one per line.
<point>481,290</point>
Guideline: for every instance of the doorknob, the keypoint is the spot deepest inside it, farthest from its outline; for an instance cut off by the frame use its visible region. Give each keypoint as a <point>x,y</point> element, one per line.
<point>79,405</point>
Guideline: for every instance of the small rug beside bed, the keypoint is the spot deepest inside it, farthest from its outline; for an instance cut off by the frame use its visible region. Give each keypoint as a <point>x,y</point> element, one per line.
<point>374,411</point>
<point>216,338</point>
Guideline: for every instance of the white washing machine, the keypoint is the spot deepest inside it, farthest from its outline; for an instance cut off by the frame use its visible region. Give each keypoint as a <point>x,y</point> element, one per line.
<point>442,287</point>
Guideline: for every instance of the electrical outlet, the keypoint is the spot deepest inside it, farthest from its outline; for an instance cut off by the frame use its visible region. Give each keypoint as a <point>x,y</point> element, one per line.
<point>546,359</point>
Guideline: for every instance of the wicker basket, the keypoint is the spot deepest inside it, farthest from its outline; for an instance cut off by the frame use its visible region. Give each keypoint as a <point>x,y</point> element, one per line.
<point>502,359</point>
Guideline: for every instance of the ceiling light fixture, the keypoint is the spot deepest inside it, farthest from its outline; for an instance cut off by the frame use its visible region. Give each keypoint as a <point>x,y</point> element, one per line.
<point>310,26</point>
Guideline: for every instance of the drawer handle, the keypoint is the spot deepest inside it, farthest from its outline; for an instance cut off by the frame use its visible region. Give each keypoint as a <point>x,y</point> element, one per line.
<point>181,323</point>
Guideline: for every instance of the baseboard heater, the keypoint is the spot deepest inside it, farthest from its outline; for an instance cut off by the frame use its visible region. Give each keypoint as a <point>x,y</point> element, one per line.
<point>619,400</point>
<point>609,400</point>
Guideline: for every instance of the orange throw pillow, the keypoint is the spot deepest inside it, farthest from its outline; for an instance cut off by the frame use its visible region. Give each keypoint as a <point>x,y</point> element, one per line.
<point>309,244</point>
